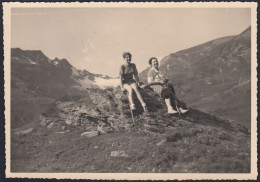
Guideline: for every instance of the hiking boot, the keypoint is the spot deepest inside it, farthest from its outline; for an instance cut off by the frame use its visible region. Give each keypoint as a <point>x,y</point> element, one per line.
<point>172,111</point>
<point>183,110</point>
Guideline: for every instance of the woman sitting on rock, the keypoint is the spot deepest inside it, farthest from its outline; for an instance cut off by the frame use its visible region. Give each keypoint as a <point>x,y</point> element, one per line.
<point>160,85</point>
<point>127,71</point>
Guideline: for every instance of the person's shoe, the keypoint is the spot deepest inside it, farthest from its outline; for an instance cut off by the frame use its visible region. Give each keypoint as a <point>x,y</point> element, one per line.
<point>172,111</point>
<point>145,109</point>
<point>132,107</point>
<point>183,110</point>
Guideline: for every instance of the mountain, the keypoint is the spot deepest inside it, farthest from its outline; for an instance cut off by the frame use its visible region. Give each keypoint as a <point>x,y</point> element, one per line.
<point>68,120</point>
<point>214,77</point>
<point>38,81</point>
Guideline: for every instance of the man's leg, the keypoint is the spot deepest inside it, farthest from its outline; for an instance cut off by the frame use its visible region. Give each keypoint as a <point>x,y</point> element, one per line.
<point>130,95</point>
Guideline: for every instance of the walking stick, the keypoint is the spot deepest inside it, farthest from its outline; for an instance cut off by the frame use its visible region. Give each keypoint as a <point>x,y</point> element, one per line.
<point>176,100</point>
<point>177,108</point>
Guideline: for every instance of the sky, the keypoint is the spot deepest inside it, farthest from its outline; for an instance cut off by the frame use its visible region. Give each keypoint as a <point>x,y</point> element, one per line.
<point>95,38</point>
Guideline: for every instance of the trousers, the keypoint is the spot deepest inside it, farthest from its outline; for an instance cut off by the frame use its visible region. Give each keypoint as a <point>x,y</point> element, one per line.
<point>169,93</point>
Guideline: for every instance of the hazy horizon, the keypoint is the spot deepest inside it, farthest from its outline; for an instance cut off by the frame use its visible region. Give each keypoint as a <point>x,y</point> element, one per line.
<point>94,38</point>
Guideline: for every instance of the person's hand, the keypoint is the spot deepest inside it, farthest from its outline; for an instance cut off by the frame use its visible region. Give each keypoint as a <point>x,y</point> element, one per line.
<point>141,85</point>
<point>165,81</point>
<point>162,82</point>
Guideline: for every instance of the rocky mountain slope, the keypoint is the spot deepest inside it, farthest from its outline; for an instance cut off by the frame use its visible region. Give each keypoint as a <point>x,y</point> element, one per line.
<point>63,121</point>
<point>214,77</point>
<point>37,82</point>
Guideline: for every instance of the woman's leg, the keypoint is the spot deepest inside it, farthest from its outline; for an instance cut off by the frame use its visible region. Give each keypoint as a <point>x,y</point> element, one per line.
<point>130,94</point>
<point>170,86</point>
<point>167,94</point>
<point>176,102</point>
<point>167,97</point>
<point>134,86</point>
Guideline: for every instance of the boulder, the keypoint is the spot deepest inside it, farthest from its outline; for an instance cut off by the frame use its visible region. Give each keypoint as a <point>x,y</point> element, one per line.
<point>62,132</point>
<point>91,133</point>
<point>161,142</point>
<point>118,153</point>
<point>50,125</point>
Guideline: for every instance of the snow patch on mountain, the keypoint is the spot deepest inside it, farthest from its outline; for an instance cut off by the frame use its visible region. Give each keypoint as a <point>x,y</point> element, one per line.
<point>31,61</point>
<point>54,62</point>
<point>98,81</point>
<point>112,82</point>
<point>75,72</point>
<point>87,80</point>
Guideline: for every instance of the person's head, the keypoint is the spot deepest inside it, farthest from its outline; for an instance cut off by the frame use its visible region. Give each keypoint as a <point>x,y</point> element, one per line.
<point>127,57</point>
<point>153,61</point>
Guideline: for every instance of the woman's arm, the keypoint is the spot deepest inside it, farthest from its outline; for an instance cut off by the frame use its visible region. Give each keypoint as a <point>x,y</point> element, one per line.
<point>151,81</point>
<point>121,81</point>
<point>121,78</point>
<point>136,77</point>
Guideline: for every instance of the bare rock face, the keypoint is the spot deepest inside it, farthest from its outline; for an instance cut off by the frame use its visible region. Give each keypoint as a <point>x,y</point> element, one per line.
<point>109,112</point>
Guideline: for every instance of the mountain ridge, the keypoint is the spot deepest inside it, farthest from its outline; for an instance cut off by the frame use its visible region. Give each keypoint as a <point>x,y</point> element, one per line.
<point>62,120</point>
<point>214,77</point>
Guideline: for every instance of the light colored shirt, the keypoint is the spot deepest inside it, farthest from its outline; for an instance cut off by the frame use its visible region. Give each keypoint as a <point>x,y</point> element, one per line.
<point>155,75</point>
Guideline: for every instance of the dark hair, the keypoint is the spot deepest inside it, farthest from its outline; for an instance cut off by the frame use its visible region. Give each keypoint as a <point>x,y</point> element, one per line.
<point>126,53</point>
<point>150,60</point>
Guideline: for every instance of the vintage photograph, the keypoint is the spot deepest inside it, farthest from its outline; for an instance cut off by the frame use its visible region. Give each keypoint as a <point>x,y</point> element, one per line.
<point>130,90</point>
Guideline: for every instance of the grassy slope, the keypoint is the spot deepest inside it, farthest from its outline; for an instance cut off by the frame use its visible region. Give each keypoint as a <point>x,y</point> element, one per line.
<point>157,143</point>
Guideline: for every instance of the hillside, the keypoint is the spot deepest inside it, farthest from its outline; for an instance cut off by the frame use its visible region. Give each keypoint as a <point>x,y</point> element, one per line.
<point>97,134</point>
<point>63,121</point>
<point>214,77</point>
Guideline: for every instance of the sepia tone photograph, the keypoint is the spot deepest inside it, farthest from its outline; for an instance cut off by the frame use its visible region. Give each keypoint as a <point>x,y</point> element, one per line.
<point>130,90</point>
